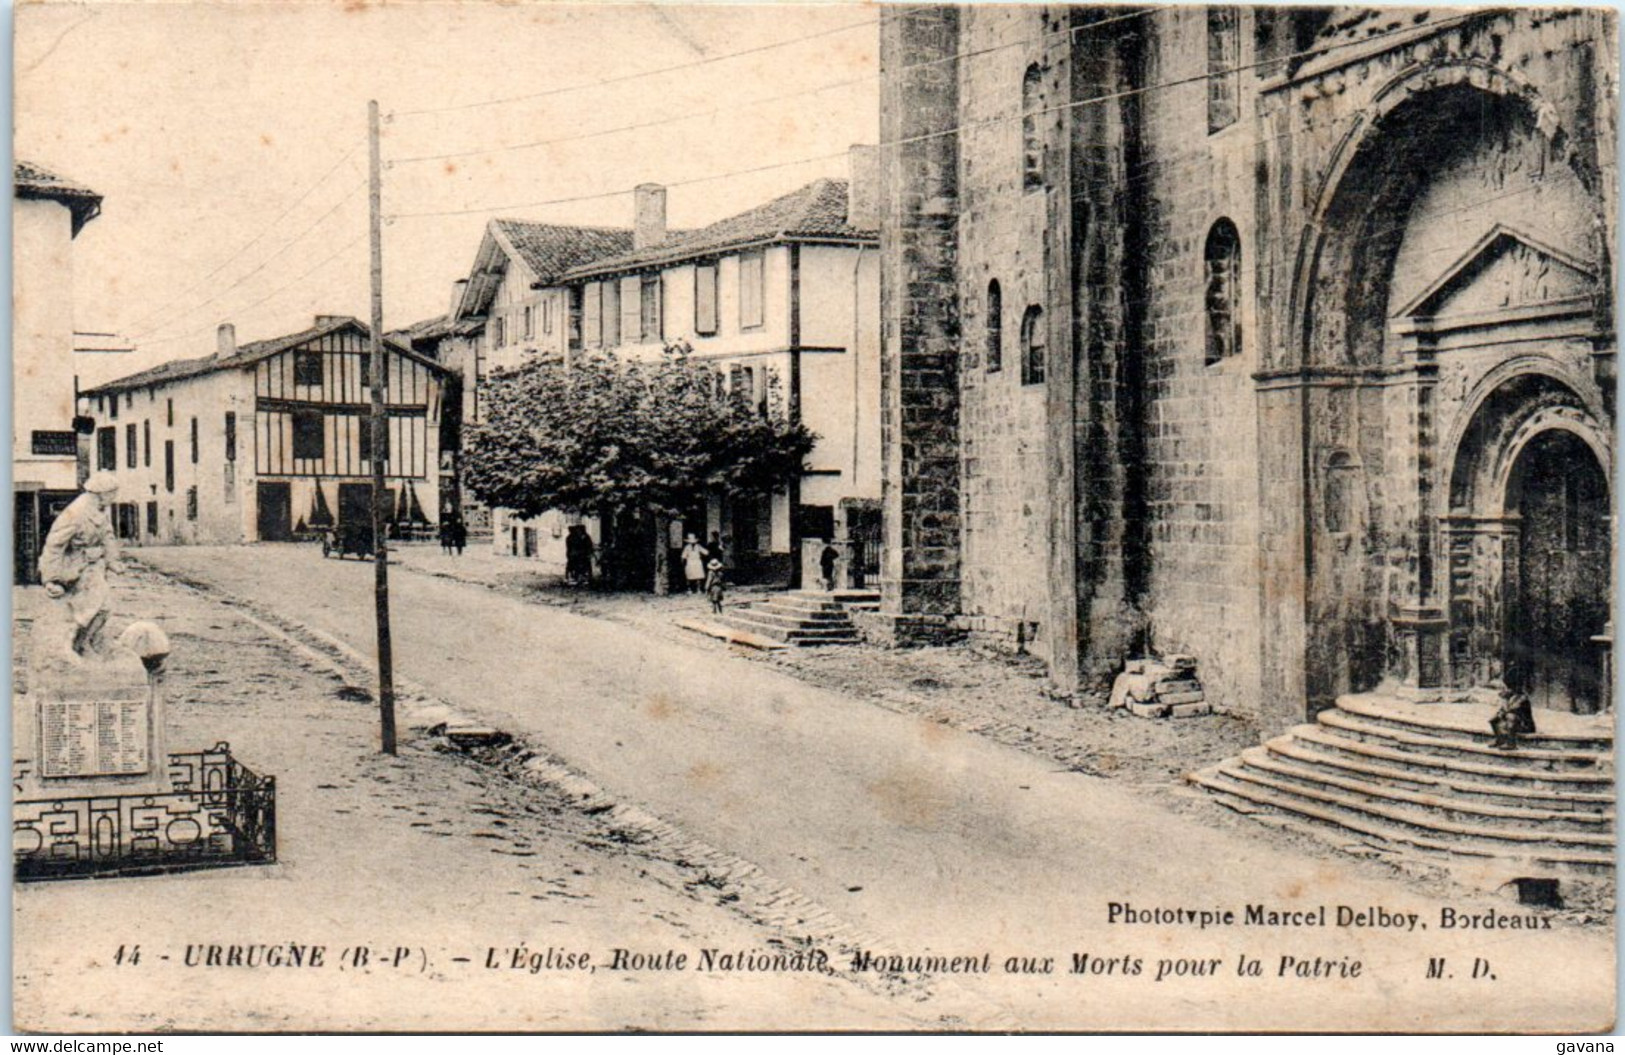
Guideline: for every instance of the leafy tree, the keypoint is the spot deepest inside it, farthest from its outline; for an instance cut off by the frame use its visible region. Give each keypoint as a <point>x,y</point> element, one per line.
<point>625,439</point>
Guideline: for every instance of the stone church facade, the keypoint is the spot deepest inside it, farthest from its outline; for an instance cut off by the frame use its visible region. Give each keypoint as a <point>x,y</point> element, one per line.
<point>1278,337</point>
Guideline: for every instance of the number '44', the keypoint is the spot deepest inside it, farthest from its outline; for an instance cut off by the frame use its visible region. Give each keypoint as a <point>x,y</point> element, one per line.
<point>127,954</point>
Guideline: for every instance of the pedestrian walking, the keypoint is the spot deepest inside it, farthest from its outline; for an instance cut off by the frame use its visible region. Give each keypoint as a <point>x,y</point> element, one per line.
<point>714,586</point>
<point>826,565</point>
<point>445,536</point>
<point>459,535</point>
<point>693,558</point>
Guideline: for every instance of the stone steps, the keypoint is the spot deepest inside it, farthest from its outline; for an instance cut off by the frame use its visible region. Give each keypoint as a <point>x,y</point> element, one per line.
<point>1427,781</point>
<point>803,617</point>
<point>1452,745</point>
<point>1512,793</point>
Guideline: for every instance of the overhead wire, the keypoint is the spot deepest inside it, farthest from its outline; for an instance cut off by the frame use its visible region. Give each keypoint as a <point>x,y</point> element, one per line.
<point>143,320</point>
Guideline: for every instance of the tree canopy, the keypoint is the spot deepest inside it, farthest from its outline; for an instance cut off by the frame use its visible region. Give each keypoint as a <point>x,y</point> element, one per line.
<point>608,434</point>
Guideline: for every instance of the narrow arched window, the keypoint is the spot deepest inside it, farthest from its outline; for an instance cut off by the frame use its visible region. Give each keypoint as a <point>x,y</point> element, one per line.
<point>995,327</point>
<point>1221,265</point>
<point>1033,339</point>
<point>1223,76</point>
<point>1032,149</point>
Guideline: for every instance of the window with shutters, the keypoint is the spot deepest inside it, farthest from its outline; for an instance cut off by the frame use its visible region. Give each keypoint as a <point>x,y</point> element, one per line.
<point>995,327</point>
<point>309,437</point>
<point>1221,265</point>
<point>194,441</point>
<point>169,468</point>
<point>231,435</point>
<point>146,443</point>
<point>1033,340</point>
<point>592,314</point>
<point>170,413</point>
<point>752,290</point>
<point>129,446</point>
<point>612,313</point>
<point>705,299</point>
<point>1223,58</point>
<point>649,307</point>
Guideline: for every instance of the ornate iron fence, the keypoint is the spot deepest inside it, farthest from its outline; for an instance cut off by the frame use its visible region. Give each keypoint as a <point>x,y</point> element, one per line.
<point>219,813</point>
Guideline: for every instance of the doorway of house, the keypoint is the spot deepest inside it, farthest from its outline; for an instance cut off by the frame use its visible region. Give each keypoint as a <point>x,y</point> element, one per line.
<point>1557,596</point>
<point>275,502</point>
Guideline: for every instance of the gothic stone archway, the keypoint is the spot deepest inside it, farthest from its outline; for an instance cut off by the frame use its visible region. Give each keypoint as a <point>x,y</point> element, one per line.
<point>1418,285</point>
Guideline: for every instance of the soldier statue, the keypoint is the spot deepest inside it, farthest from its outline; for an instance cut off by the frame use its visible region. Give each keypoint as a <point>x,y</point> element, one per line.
<point>79,551</point>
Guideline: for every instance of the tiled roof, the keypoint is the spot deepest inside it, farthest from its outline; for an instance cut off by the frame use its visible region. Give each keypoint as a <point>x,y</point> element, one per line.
<point>32,181</point>
<point>817,210</point>
<point>434,329</point>
<point>246,355</point>
<point>550,250</point>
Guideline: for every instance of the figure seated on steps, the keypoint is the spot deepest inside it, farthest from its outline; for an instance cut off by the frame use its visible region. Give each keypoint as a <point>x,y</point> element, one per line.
<point>1514,717</point>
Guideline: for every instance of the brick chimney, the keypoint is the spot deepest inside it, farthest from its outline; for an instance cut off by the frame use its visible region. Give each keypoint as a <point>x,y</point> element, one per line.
<point>225,340</point>
<point>648,215</point>
<point>863,187</point>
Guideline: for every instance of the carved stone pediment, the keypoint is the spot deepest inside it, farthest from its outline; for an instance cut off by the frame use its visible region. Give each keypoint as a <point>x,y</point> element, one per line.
<point>1505,270</point>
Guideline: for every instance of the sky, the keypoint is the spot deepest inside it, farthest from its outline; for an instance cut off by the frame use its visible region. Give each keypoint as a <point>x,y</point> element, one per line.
<point>229,140</point>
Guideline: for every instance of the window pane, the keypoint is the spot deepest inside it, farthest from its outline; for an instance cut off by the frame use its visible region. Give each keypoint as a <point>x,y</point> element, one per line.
<point>307,367</point>
<point>308,440</point>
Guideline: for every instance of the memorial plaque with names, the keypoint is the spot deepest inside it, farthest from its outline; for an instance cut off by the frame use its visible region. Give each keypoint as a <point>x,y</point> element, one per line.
<point>108,736</point>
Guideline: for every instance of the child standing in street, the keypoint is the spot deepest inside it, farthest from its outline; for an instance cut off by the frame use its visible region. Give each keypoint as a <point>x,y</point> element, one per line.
<point>714,588</point>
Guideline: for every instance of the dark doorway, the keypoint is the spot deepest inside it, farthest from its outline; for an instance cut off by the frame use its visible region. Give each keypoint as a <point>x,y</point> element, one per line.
<point>1557,595</point>
<point>35,512</point>
<point>275,512</point>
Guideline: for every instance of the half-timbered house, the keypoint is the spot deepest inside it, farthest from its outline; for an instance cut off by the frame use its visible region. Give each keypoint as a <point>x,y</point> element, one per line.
<point>269,441</point>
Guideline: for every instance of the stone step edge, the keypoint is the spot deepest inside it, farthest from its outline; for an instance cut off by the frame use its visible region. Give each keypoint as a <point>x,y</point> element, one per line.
<point>1409,819</point>
<point>1356,724</point>
<point>1361,705</point>
<point>1259,797</point>
<point>1260,758</point>
<point>832,619</point>
<point>731,635</point>
<point>1290,747</point>
<point>745,622</point>
<point>1327,736</point>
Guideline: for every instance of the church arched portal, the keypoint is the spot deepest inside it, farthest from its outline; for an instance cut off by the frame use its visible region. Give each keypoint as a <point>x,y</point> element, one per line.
<point>1556,586</point>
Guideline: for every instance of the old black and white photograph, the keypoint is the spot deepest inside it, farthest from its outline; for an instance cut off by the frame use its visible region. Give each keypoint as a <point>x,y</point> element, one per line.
<point>813,518</point>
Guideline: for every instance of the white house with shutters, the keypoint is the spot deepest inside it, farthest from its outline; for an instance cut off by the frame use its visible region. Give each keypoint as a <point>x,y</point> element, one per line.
<point>267,441</point>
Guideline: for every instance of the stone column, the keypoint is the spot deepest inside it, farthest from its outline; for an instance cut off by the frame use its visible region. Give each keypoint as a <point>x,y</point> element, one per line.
<point>919,307</point>
<point>1416,613</point>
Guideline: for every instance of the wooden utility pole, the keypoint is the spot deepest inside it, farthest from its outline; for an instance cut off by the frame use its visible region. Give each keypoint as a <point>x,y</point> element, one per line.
<point>378,424</point>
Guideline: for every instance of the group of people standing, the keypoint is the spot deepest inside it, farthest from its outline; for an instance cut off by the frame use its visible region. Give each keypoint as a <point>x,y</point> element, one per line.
<point>453,536</point>
<point>704,568</point>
